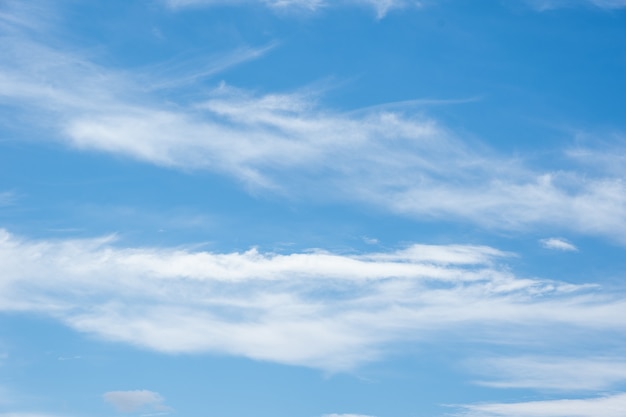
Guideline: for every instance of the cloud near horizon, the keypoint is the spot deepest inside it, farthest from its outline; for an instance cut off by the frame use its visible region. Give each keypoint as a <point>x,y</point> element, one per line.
<point>26,414</point>
<point>608,406</point>
<point>345,415</point>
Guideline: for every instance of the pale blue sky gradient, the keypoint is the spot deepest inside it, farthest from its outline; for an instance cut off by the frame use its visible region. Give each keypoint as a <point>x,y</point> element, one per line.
<point>309,208</point>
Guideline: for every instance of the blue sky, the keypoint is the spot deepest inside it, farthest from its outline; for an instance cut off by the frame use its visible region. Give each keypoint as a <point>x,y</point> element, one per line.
<point>306,208</point>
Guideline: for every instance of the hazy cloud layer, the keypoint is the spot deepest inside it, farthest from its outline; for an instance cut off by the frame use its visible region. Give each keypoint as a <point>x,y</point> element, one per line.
<point>137,400</point>
<point>18,414</point>
<point>382,7</point>
<point>6,198</point>
<point>345,415</point>
<point>556,4</point>
<point>609,406</point>
<point>558,244</point>
<point>553,373</point>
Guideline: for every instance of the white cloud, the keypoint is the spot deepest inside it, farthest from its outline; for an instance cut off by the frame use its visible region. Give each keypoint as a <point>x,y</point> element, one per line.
<point>558,244</point>
<point>316,309</point>
<point>555,373</point>
<point>304,4</point>
<point>345,415</point>
<point>19,414</point>
<point>181,72</point>
<point>131,401</point>
<point>382,7</point>
<point>609,406</point>
<point>289,143</point>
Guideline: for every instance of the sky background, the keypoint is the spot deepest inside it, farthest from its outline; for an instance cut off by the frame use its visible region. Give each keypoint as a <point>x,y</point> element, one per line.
<point>310,208</point>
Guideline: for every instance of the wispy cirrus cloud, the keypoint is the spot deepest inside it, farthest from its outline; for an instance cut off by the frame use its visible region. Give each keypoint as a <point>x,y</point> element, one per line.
<point>6,396</point>
<point>556,4</point>
<point>609,159</point>
<point>608,406</point>
<point>304,4</point>
<point>345,415</point>
<point>408,164</point>
<point>30,414</point>
<point>18,15</point>
<point>400,160</point>
<point>318,309</point>
<point>382,7</point>
<point>26,414</point>
<point>137,400</point>
<point>552,373</point>
<point>609,4</point>
<point>558,244</point>
<point>183,72</point>
<point>7,198</point>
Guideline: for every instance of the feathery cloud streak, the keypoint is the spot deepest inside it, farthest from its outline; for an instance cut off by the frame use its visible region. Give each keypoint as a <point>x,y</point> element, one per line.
<point>609,406</point>
<point>27,415</point>
<point>132,401</point>
<point>558,244</point>
<point>382,7</point>
<point>554,373</point>
<point>404,162</point>
<point>7,198</point>
<point>609,4</point>
<point>556,4</point>
<point>345,415</point>
<point>317,309</point>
